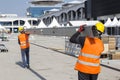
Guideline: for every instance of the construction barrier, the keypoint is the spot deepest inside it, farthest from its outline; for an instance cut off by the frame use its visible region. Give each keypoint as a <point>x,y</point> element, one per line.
<point>110,44</point>
<point>71,48</point>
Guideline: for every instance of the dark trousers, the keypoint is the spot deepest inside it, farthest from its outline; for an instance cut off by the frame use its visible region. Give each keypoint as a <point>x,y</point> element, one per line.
<point>25,57</point>
<point>84,76</point>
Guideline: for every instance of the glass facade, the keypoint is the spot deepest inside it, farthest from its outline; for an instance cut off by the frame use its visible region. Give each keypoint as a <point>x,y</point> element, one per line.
<point>38,11</point>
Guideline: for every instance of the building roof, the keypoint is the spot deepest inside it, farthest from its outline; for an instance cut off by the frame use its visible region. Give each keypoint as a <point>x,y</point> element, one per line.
<point>73,2</point>
<point>46,2</point>
<point>54,9</point>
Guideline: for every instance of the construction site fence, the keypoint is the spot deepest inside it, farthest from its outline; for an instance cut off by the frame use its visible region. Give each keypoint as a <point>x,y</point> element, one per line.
<point>71,48</point>
<point>113,47</point>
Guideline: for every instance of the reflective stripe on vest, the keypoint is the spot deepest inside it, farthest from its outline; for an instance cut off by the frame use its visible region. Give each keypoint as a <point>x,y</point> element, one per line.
<point>90,55</point>
<point>23,43</point>
<point>88,63</point>
<point>89,60</point>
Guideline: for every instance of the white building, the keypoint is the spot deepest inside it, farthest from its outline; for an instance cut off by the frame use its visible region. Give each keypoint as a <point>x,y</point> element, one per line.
<point>8,15</point>
<point>12,23</point>
<point>71,11</point>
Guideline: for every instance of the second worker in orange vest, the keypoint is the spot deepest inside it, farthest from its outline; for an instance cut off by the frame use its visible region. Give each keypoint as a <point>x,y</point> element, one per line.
<point>88,63</point>
<point>23,40</point>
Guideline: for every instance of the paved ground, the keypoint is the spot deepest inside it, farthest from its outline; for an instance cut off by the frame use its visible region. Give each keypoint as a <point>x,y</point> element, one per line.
<point>46,63</point>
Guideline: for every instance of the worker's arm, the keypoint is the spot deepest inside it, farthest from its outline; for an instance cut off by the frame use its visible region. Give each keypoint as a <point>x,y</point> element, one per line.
<point>18,41</point>
<point>28,33</point>
<point>76,38</point>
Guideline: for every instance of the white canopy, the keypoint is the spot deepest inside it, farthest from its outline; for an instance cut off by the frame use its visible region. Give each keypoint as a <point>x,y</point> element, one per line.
<point>68,25</point>
<point>54,23</point>
<point>78,23</point>
<point>108,22</point>
<point>41,25</point>
<point>27,25</point>
<point>114,22</point>
<point>62,25</point>
<point>118,24</point>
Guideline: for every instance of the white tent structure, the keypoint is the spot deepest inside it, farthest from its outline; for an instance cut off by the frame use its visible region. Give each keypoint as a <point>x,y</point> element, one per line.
<point>68,25</point>
<point>114,22</point>
<point>78,23</point>
<point>54,23</point>
<point>62,25</point>
<point>118,24</point>
<point>118,27</point>
<point>27,25</point>
<point>108,22</point>
<point>41,25</point>
<point>111,26</point>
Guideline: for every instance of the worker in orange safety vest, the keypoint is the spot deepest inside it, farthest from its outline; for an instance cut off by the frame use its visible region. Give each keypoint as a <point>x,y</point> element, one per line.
<point>23,40</point>
<point>88,63</point>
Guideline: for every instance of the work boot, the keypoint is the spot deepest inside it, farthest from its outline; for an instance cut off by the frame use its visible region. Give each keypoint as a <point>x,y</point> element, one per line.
<point>23,66</point>
<point>28,66</point>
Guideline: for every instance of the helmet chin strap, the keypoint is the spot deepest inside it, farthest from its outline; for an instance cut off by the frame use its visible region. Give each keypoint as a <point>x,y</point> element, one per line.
<point>97,33</point>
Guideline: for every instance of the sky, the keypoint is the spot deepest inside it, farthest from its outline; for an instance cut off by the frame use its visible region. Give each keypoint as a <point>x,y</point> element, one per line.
<point>16,6</point>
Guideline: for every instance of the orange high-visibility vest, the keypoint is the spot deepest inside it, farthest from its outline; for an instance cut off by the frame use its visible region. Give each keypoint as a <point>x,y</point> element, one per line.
<point>24,41</point>
<point>89,59</point>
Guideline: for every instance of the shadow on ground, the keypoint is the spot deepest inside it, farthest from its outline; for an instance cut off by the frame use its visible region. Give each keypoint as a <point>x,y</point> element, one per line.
<point>31,70</point>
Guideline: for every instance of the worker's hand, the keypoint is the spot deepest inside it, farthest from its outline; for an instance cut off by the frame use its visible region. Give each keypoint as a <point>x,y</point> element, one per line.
<point>81,28</point>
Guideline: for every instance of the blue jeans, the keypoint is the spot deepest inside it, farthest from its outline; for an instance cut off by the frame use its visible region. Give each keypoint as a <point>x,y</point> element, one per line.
<point>25,57</point>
